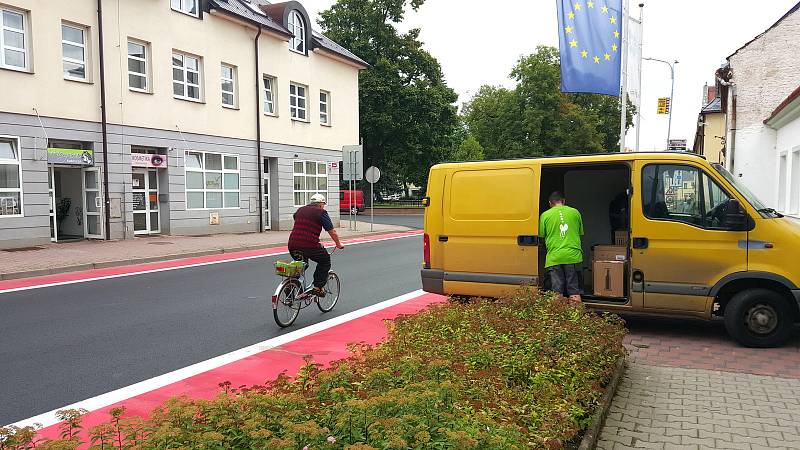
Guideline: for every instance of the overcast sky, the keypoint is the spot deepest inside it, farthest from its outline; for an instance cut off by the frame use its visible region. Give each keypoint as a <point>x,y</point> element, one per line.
<point>478,42</point>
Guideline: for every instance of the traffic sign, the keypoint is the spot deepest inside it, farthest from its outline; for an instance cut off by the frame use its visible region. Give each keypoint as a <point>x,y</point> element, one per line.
<point>663,105</point>
<point>352,163</point>
<point>678,144</point>
<point>373,174</point>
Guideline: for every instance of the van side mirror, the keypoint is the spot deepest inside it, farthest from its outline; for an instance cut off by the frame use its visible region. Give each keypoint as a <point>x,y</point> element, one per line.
<point>736,218</point>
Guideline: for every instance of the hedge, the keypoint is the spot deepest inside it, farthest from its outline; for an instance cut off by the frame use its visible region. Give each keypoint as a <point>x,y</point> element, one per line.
<point>524,371</point>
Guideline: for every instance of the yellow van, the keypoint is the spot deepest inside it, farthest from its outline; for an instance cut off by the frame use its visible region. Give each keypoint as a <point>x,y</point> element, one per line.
<point>694,241</point>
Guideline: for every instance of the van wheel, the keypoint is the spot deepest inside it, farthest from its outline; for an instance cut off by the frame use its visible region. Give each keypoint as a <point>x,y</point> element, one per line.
<point>759,318</point>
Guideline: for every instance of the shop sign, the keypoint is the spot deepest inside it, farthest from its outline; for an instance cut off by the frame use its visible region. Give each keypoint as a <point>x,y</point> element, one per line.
<point>148,160</point>
<point>68,156</point>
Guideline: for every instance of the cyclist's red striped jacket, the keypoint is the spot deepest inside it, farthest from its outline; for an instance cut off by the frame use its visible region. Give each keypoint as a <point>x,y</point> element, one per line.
<point>308,224</point>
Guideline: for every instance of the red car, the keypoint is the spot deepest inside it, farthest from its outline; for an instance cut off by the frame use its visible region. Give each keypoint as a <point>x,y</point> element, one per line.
<point>352,201</point>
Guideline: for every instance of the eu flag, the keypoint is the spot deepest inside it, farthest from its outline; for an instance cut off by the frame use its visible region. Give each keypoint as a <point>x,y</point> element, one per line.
<point>590,41</point>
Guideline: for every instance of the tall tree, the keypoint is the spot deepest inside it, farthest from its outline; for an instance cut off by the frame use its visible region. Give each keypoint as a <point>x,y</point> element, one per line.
<point>537,119</point>
<point>407,110</point>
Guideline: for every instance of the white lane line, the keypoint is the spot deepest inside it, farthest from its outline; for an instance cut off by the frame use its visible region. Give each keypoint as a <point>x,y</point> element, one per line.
<point>92,404</point>
<point>355,241</point>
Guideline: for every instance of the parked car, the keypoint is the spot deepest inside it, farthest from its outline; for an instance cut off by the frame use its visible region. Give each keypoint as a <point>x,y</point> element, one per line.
<point>725,255</point>
<point>352,201</point>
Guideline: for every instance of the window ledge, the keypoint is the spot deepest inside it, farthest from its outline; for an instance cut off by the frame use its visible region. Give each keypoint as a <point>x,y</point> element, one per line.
<point>195,16</point>
<point>300,120</point>
<point>78,80</point>
<point>17,69</point>
<point>326,125</point>
<point>10,216</point>
<point>189,99</point>
<point>271,115</point>
<point>299,53</point>
<point>140,91</point>
<point>234,108</point>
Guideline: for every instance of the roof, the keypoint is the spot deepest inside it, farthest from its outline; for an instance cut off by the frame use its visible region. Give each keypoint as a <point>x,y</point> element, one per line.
<point>791,11</point>
<point>251,11</point>
<point>783,110</point>
<point>611,157</point>
<point>715,106</point>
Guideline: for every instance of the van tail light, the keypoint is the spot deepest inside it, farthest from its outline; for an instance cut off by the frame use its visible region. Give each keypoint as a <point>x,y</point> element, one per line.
<point>426,245</point>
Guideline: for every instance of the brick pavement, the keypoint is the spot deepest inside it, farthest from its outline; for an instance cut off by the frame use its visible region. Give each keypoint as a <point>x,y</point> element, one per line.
<point>63,257</point>
<point>689,386</point>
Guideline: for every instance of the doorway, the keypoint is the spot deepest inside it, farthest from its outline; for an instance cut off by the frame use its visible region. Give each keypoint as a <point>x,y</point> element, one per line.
<point>76,203</point>
<point>266,183</point>
<point>146,214</point>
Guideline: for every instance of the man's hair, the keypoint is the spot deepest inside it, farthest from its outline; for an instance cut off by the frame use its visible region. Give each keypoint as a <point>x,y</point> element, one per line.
<point>556,197</point>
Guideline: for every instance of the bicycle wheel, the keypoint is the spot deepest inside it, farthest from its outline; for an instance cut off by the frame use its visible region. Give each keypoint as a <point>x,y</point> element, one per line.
<point>285,306</point>
<point>327,303</point>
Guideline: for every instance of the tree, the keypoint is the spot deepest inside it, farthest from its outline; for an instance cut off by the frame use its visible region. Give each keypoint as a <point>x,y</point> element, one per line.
<point>468,150</point>
<point>407,112</point>
<point>537,119</point>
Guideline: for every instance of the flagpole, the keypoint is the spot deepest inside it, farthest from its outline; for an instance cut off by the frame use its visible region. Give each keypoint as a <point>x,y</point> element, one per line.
<point>623,98</point>
<point>639,106</point>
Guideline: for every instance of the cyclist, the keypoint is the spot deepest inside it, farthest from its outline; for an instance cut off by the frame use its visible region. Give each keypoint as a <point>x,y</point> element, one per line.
<point>309,221</point>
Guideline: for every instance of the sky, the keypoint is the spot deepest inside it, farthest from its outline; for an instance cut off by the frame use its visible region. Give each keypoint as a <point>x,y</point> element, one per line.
<point>477,42</point>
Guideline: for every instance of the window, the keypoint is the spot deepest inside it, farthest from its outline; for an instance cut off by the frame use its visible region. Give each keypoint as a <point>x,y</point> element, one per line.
<point>186,6</point>
<point>298,29</point>
<point>681,193</point>
<point>13,39</point>
<point>228,81</point>
<point>269,96</point>
<point>310,178</point>
<point>10,177</point>
<point>212,180</point>
<point>297,102</point>
<point>138,54</point>
<point>73,45</point>
<point>324,107</point>
<point>185,77</point>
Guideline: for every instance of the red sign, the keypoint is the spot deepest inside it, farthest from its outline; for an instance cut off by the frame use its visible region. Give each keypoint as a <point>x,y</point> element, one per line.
<point>148,160</point>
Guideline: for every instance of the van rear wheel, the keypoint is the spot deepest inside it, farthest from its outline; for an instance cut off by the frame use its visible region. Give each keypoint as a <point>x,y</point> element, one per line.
<point>759,318</point>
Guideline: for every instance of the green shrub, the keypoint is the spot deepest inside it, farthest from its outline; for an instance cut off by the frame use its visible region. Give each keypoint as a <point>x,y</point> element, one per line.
<point>525,371</point>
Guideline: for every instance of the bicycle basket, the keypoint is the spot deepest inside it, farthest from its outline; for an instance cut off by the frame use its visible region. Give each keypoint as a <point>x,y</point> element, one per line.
<point>289,268</point>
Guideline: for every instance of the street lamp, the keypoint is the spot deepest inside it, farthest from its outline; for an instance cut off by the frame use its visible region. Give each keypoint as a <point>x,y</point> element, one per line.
<point>671,94</point>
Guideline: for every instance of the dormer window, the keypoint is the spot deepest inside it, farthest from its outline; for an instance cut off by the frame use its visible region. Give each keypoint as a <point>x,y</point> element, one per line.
<point>298,29</point>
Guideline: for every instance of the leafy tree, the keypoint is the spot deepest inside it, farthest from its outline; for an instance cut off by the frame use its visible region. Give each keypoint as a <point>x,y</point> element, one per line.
<point>537,119</point>
<point>407,112</point>
<point>468,150</point>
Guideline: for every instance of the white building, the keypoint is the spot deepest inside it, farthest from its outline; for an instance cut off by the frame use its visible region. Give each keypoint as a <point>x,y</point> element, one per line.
<point>175,117</point>
<point>756,79</point>
<point>785,120</point>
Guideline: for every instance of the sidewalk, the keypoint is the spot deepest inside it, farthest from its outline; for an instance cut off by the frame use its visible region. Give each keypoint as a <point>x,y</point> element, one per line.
<point>86,255</point>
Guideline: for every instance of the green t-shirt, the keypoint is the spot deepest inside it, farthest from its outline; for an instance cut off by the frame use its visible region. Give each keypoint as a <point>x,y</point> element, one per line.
<point>562,228</point>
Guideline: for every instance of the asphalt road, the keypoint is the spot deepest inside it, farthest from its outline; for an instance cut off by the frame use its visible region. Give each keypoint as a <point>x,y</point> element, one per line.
<point>64,344</point>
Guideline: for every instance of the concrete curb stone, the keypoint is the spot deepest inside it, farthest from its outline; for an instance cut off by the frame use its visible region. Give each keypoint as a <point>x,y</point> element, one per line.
<point>592,434</point>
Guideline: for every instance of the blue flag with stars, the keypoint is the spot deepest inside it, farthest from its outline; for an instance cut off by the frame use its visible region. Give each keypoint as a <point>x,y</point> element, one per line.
<point>590,42</point>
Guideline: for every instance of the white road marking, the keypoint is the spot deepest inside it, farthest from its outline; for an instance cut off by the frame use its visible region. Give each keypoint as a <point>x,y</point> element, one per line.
<point>92,404</point>
<point>355,241</point>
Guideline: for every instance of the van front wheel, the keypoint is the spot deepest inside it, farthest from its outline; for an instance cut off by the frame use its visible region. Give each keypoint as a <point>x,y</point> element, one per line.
<point>759,318</point>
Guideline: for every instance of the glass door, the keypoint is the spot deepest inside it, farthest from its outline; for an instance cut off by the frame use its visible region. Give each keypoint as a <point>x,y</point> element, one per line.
<point>92,203</point>
<point>146,217</point>
<point>267,215</point>
<point>51,192</point>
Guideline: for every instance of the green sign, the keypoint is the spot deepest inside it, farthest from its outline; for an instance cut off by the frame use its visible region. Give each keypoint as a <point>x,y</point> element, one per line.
<point>71,157</point>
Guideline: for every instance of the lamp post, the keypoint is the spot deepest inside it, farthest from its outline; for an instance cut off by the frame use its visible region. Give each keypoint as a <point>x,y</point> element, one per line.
<point>671,93</point>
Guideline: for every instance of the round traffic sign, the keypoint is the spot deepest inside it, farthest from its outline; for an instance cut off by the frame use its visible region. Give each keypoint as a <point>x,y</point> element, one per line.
<point>373,174</point>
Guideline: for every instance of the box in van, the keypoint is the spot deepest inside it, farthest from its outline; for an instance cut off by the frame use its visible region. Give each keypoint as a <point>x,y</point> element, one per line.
<point>700,245</point>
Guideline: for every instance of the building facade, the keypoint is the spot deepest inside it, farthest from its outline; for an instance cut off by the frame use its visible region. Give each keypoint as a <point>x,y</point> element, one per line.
<point>755,80</point>
<point>174,117</point>
<point>785,120</point>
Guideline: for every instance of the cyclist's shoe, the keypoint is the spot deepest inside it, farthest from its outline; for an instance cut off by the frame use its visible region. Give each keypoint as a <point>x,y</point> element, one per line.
<point>318,291</point>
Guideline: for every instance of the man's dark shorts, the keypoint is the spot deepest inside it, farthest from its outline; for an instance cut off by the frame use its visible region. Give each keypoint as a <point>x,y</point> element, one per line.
<point>565,279</point>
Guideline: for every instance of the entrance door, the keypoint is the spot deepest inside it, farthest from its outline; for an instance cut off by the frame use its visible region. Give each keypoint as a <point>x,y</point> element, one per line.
<point>267,215</point>
<point>146,217</point>
<point>683,243</point>
<point>92,203</point>
<point>51,192</point>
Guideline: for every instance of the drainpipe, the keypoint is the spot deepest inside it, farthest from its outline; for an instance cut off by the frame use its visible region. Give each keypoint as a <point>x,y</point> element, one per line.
<point>103,122</point>
<point>258,139</point>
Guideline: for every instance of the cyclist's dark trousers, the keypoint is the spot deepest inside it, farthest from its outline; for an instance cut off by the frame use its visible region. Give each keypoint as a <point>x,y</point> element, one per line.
<point>320,256</point>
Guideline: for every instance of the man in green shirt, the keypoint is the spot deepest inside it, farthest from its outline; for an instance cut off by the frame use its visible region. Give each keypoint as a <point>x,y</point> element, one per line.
<point>562,228</point>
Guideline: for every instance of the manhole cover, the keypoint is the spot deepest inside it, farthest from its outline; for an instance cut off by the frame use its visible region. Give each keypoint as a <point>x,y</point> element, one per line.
<point>23,249</point>
<point>160,243</point>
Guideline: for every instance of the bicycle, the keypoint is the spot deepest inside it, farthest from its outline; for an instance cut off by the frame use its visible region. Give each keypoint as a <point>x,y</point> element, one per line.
<point>293,294</point>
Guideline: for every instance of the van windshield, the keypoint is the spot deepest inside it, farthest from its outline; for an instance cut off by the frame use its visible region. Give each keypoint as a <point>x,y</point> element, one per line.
<point>746,193</point>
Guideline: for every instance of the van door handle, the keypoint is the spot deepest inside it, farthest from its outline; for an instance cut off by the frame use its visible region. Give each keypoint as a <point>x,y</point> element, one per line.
<point>443,238</point>
<point>528,241</point>
<point>640,242</point>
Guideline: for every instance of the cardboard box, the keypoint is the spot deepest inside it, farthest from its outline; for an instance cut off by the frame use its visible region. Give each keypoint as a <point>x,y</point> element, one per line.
<point>610,253</point>
<point>621,238</point>
<point>609,278</point>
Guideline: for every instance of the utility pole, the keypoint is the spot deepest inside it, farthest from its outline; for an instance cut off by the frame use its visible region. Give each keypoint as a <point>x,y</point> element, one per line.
<point>639,106</point>
<point>671,93</point>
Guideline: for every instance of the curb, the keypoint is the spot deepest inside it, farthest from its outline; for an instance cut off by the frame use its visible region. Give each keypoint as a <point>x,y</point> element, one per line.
<point>154,259</point>
<point>592,434</point>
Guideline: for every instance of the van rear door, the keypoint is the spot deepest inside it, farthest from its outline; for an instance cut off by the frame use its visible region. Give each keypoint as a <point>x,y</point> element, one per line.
<point>490,229</point>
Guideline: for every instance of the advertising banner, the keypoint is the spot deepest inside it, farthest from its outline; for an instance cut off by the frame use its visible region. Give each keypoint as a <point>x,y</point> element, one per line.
<point>68,156</point>
<point>148,160</point>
